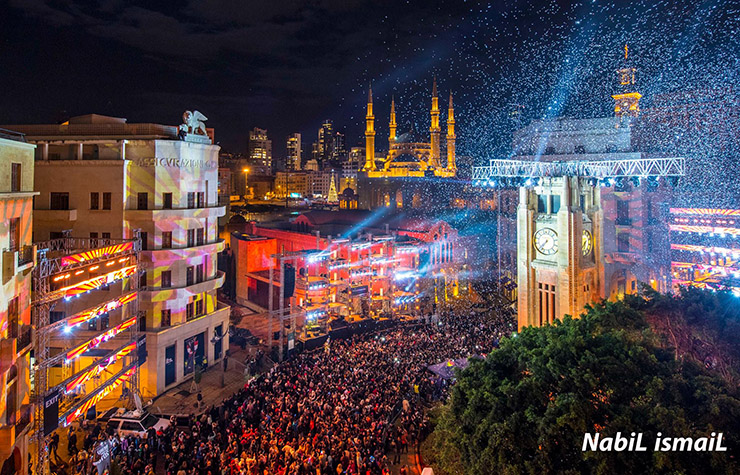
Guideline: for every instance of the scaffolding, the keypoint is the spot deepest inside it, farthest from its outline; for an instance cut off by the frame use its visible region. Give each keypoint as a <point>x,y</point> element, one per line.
<point>601,170</point>
<point>58,260</point>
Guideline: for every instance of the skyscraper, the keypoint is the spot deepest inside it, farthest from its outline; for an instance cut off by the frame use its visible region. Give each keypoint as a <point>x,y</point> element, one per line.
<point>294,152</point>
<point>260,148</point>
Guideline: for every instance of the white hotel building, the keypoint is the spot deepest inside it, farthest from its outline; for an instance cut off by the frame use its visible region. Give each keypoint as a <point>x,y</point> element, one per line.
<point>101,177</point>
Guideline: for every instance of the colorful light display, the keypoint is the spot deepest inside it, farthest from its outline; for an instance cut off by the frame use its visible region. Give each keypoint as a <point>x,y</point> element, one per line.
<point>95,399</point>
<point>97,253</point>
<point>705,229</point>
<point>89,345</point>
<point>97,282</point>
<point>706,211</point>
<point>95,370</point>
<point>706,249</point>
<point>100,310</point>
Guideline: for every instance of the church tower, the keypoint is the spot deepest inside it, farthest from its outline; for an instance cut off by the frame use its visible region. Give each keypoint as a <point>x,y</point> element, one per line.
<point>560,249</point>
<point>392,125</point>
<point>369,134</point>
<point>627,101</point>
<point>451,166</point>
<point>434,130</point>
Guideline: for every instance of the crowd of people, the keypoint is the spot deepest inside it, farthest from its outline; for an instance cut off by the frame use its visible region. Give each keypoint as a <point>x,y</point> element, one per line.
<point>353,407</point>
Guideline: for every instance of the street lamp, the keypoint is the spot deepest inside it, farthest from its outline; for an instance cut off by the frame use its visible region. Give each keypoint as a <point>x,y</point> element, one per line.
<point>246,182</point>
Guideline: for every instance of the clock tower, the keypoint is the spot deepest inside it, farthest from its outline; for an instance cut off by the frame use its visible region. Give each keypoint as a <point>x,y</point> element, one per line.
<point>560,251</point>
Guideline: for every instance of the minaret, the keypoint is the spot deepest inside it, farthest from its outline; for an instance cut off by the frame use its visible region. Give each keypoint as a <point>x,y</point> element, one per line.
<point>627,102</point>
<point>392,125</point>
<point>434,130</point>
<point>451,166</point>
<point>369,134</point>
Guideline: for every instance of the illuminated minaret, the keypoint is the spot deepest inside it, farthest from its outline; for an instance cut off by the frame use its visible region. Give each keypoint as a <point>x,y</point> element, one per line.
<point>369,134</point>
<point>451,166</point>
<point>434,129</point>
<point>392,125</point>
<point>627,102</point>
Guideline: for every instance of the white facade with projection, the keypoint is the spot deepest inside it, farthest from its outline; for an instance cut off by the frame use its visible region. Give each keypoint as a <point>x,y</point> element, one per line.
<point>101,177</point>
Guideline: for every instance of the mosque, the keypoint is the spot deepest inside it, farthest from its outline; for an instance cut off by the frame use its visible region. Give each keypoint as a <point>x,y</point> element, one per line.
<point>413,173</point>
<point>408,154</point>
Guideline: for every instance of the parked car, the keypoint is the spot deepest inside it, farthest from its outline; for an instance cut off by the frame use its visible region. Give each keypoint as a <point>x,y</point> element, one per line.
<point>135,423</point>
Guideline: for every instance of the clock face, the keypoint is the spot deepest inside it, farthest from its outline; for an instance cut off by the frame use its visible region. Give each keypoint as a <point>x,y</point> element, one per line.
<point>586,243</point>
<point>546,241</point>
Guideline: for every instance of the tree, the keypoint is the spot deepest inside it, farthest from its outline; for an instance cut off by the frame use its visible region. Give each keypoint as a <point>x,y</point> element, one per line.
<point>526,408</point>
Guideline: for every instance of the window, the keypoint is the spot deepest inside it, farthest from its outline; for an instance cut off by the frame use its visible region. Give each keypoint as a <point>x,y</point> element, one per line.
<point>167,240</point>
<point>166,317</point>
<point>199,308</point>
<point>542,203</point>
<point>144,241</point>
<point>13,315</point>
<point>190,311</point>
<point>189,274</point>
<point>166,279</point>
<point>623,242</point>
<point>201,199</point>
<point>191,200</point>
<point>199,272</point>
<point>55,316</point>
<point>142,321</point>
<point>59,201</point>
<point>550,151</point>
<point>105,236</point>
<point>167,201</point>
<point>191,237</point>
<point>15,177</point>
<point>94,239</point>
<point>106,200</point>
<point>623,212</point>
<point>142,280</point>
<point>14,234</point>
<point>554,204</point>
<point>580,149</point>
<point>142,201</point>
<point>94,200</point>
<point>92,324</point>
<point>200,236</point>
<point>546,293</point>
<point>131,426</point>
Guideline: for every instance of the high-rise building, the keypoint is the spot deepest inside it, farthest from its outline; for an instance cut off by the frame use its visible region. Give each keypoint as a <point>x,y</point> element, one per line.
<point>294,152</point>
<point>101,177</point>
<point>18,256</point>
<point>260,148</point>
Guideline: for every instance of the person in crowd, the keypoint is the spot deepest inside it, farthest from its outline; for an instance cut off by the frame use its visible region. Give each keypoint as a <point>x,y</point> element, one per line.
<point>341,409</point>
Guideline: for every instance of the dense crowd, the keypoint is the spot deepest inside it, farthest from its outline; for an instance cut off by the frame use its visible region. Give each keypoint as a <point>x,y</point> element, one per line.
<point>352,407</point>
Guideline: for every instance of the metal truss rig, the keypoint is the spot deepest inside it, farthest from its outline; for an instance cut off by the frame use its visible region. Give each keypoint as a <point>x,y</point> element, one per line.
<point>601,170</point>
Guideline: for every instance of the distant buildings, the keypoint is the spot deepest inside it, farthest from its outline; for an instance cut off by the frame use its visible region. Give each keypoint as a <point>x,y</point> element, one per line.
<point>330,145</point>
<point>293,161</point>
<point>103,178</point>
<point>260,148</point>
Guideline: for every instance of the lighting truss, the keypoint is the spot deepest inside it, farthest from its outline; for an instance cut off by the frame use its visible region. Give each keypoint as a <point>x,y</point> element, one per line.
<point>639,167</point>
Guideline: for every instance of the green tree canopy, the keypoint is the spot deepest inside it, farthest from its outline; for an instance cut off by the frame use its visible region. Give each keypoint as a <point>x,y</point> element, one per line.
<point>526,408</point>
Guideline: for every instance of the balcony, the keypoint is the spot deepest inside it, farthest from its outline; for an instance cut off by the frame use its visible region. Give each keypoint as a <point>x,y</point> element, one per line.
<point>16,261</point>
<point>55,215</point>
<point>174,213</point>
<point>161,295</point>
<point>173,254</point>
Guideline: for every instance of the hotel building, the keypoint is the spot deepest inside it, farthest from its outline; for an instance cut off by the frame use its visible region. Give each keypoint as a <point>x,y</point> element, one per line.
<point>16,215</point>
<point>100,177</point>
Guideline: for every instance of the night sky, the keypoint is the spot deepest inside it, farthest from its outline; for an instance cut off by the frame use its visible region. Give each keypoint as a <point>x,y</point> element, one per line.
<point>287,65</point>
